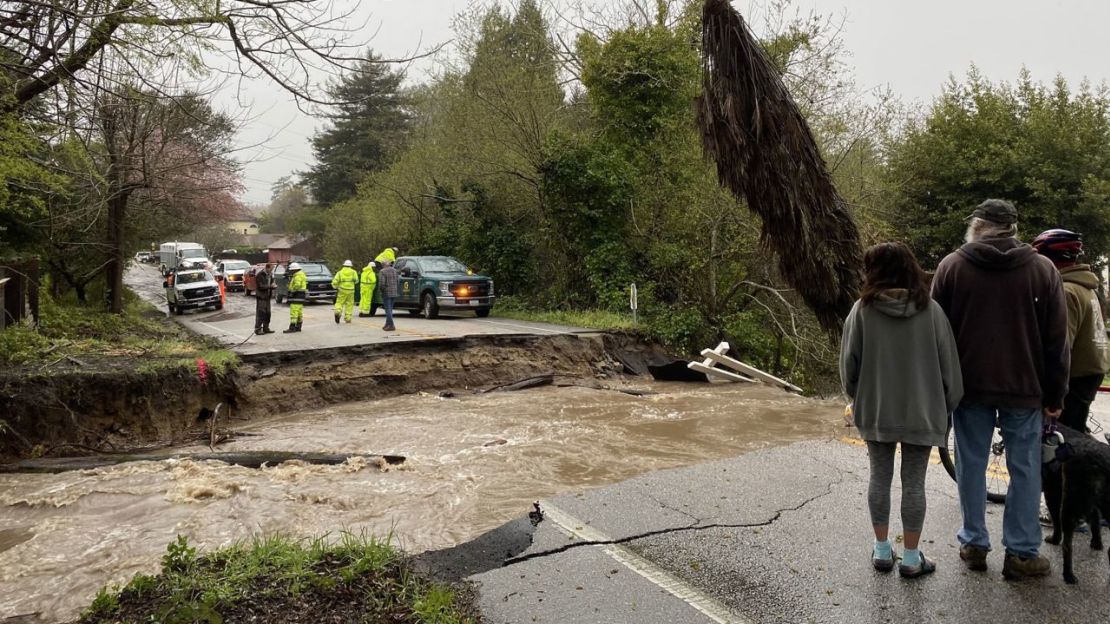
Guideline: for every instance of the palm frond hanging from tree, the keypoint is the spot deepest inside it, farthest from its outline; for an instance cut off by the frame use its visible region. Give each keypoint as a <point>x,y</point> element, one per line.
<point>766,154</point>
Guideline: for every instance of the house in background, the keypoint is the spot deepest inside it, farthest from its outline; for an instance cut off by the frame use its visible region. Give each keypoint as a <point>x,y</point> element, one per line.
<point>243,222</point>
<point>290,248</point>
<point>243,228</point>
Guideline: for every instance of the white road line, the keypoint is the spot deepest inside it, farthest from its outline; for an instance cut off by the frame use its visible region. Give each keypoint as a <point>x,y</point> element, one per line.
<point>527,327</point>
<point>222,331</point>
<point>706,604</point>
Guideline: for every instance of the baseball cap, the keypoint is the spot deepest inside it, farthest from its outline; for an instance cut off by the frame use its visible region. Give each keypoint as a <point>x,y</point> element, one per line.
<point>996,211</point>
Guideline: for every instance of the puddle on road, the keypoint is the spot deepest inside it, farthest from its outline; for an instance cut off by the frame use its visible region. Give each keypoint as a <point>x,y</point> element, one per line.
<point>474,462</point>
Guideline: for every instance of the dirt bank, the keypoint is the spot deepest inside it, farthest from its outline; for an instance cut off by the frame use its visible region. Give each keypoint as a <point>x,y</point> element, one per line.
<point>116,403</point>
<point>104,403</point>
<point>284,382</point>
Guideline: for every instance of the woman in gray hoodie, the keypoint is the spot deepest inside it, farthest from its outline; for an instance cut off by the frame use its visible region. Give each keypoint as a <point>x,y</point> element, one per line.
<point>899,365</point>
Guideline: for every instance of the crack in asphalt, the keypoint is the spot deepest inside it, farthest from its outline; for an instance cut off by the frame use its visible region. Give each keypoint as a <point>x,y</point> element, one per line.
<point>694,526</point>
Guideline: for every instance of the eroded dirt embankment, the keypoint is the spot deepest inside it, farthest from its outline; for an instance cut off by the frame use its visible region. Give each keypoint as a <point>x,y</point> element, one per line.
<point>104,404</point>
<point>113,406</point>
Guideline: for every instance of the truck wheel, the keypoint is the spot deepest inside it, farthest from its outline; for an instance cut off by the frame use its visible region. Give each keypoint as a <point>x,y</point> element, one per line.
<point>482,312</point>
<point>429,309</point>
<point>179,310</point>
<point>219,306</point>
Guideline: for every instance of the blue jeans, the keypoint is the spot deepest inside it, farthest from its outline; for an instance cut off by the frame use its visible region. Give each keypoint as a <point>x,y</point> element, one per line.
<point>387,303</point>
<point>1021,432</point>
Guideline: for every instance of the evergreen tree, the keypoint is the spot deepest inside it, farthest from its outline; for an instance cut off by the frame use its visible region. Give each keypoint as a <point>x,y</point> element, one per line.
<point>366,131</point>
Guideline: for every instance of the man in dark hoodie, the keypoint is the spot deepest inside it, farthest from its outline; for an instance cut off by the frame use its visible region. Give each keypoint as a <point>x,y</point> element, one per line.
<point>1086,327</point>
<point>1006,307</point>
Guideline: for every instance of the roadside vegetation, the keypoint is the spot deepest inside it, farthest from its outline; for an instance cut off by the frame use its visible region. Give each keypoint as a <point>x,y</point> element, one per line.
<point>73,337</point>
<point>355,580</point>
<point>592,319</point>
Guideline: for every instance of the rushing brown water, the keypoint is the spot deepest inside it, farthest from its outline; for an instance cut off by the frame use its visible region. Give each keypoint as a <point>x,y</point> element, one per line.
<point>474,462</point>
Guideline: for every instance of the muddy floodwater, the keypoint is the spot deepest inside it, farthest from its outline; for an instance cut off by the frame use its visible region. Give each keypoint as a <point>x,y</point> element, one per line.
<point>474,462</point>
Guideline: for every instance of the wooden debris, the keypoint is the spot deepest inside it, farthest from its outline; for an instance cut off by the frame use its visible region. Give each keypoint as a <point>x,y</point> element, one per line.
<point>247,459</point>
<point>523,384</point>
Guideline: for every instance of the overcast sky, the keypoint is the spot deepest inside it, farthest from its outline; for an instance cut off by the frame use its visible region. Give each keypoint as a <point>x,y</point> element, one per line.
<point>908,45</point>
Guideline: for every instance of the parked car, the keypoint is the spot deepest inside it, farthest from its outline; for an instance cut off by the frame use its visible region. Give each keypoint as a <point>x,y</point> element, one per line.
<point>319,281</point>
<point>143,257</point>
<point>430,284</point>
<point>191,289</point>
<point>250,281</point>
<point>232,272</point>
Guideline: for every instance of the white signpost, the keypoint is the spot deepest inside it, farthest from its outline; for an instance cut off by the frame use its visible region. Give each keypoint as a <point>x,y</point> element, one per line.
<point>634,302</point>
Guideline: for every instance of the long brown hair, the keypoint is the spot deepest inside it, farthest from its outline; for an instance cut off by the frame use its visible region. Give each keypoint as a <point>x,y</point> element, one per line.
<point>892,265</point>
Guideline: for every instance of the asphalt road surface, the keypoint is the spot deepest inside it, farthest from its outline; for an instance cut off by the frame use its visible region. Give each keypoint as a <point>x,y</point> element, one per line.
<point>234,325</point>
<point>780,535</point>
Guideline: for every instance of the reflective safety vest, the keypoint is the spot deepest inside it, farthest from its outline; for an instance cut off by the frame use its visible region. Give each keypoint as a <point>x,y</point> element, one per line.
<point>346,279</point>
<point>386,256</point>
<point>298,287</point>
<point>369,277</point>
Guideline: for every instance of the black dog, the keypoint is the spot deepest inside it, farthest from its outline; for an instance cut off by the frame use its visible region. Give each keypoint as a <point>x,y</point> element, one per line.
<point>1077,487</point>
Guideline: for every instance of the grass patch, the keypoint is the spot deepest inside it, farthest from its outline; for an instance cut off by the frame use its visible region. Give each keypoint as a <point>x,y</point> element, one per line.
<point>277,579</point>
<point>142,334</point>
<point>591,319</point>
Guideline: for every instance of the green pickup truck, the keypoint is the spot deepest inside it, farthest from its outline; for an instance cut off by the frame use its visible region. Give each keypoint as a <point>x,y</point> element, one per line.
<point>431,284</point>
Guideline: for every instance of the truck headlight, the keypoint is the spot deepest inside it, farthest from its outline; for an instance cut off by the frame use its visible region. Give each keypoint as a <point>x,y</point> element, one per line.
<point>445,289</point>
<point>491,288</point>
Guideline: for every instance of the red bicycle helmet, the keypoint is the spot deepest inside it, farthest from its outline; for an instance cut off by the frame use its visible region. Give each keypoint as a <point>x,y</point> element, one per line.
<point>1059,244</point>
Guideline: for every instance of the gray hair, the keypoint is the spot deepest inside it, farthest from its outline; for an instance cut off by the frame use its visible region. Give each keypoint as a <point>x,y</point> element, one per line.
<point>980,229</point>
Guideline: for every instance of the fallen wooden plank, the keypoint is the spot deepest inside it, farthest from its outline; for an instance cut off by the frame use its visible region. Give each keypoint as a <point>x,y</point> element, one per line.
<point>717,372</point>
<point>523,384</point>
<point>247,459</point>
<point>749,370</point>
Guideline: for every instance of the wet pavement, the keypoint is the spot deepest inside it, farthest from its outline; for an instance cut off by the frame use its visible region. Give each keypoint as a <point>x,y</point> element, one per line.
<point>234,325</point>
<point>777,535</point>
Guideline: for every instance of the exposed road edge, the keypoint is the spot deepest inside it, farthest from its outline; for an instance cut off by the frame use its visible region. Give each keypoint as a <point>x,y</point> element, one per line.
<point>685,592</point>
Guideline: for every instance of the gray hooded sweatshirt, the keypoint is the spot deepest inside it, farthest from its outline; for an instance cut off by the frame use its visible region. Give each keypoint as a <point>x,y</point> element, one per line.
<point>900,367</point>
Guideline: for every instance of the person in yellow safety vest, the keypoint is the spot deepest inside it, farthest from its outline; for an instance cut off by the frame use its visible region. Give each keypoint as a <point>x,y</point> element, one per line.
<point>389,254</point>
<point>344,283</point>
<point>369,280</point>
<point>297,295</point>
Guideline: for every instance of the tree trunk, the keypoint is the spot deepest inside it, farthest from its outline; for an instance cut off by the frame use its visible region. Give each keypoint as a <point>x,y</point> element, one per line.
<point>248,459</point>
<point>117,210</point>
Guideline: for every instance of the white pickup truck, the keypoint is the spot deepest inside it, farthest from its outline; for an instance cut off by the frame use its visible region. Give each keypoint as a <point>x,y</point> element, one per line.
<point>192,289</point>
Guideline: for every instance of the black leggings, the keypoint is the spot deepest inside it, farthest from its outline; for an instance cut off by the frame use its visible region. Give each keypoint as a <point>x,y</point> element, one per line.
<point>915,462</point>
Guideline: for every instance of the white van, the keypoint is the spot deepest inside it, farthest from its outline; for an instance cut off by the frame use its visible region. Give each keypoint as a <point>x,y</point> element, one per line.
<point>170,255</point>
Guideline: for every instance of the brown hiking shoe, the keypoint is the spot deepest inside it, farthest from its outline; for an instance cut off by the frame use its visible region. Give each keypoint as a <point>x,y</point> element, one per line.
<point>975,558</point>
<point>1019,567</point>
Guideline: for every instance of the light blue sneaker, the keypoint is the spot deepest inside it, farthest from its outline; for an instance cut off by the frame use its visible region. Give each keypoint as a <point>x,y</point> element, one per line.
<point>883,565</point>
<point>924,566</point>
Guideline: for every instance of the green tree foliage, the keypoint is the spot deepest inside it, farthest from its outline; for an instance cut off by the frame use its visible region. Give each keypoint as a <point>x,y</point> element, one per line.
<point>1044,147</point>
<point>365,132</point>
<point>470,175</point>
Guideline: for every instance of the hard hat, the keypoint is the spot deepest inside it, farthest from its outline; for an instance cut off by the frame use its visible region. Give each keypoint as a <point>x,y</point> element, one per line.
<point>348,263</point>
<point>373,265</point>
<point>1059,244</point>
<point>395,250</point>
<point>293,266</point>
